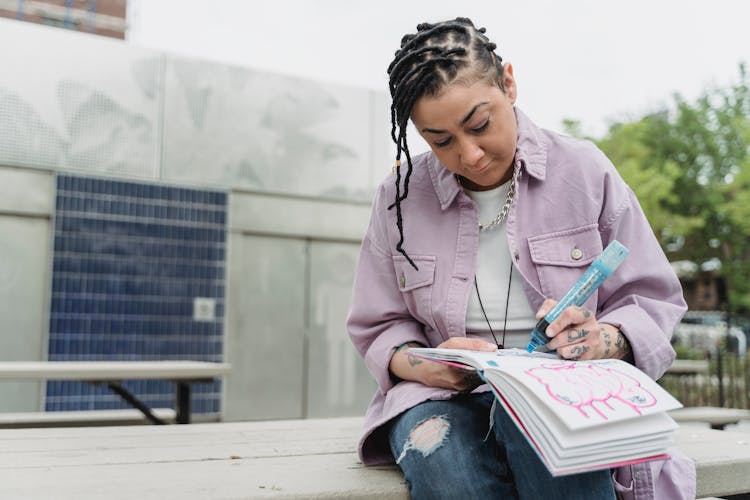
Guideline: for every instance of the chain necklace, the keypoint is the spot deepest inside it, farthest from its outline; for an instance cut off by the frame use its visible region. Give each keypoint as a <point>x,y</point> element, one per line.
<point>503,213</point>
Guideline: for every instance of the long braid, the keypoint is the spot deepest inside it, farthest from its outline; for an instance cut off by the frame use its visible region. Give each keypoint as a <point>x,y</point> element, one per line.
<point>434,57</point>
<point>409,100</point>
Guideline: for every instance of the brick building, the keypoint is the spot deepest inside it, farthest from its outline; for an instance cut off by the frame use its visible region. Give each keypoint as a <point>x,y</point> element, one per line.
<point>703,287</point>
<point>100,17</point>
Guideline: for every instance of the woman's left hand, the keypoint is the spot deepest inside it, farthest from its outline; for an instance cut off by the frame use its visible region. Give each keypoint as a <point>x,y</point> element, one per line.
<point>577,335</point>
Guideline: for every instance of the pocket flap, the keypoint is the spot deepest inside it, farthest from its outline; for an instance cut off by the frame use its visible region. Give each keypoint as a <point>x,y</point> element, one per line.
<point>570,248</point>
<point>409,278</point>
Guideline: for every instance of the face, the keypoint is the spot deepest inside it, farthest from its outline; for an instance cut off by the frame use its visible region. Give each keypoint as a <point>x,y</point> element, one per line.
<point>472,130</point>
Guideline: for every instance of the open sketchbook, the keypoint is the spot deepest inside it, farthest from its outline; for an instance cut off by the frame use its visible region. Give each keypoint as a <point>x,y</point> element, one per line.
<point>577,415</point>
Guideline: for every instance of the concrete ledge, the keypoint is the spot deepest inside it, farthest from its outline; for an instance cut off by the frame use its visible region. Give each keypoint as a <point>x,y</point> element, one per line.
<point>722,460</point>
<point>288,459</point>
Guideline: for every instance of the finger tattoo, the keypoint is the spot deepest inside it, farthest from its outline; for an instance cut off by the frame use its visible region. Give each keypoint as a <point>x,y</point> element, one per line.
<point>577,351</point>
<point>574,335</point>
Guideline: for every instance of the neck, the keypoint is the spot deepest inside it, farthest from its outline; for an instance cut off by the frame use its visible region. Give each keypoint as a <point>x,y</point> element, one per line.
<point>472,186</point>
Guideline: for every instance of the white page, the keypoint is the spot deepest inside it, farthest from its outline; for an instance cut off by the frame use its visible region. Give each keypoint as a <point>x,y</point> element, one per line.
<point>625,439</point>
<point>532,408</point>
<point>581,393</point>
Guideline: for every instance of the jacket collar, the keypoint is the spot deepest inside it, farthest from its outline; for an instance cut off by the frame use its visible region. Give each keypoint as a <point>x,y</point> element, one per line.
<point>531,152</point>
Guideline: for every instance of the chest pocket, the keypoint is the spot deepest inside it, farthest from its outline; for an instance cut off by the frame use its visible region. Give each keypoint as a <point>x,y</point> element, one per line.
<point>562,257</point>
<point>415,285</point>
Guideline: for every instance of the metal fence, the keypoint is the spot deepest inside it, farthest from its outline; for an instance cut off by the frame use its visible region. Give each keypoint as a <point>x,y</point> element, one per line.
<point>723,381</point>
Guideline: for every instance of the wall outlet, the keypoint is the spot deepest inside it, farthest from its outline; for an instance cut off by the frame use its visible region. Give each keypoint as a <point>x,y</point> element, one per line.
<point>204,309</point>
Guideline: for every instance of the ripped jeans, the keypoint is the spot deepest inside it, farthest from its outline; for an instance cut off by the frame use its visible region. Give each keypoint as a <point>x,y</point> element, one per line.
<point>441,448</point>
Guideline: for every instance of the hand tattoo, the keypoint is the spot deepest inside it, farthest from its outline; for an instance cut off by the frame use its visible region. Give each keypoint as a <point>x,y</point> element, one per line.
<point>617,348</point>
<point>622,344</point>
<point>413,360</point>
<point>607,342</point>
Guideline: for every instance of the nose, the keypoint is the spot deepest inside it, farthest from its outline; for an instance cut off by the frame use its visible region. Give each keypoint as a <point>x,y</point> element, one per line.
<point>471,153</point>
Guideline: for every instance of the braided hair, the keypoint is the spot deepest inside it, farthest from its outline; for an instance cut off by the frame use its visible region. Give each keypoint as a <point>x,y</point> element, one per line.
<point>430,59</point>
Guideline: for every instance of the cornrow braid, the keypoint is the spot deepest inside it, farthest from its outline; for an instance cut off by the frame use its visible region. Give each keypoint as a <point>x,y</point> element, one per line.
<point>427,61</point>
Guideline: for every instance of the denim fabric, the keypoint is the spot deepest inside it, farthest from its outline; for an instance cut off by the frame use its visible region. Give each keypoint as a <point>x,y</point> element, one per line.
<point>446,452</point>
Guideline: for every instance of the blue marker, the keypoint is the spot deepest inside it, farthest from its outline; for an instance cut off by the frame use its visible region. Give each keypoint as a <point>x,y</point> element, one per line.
<point>600,269</point>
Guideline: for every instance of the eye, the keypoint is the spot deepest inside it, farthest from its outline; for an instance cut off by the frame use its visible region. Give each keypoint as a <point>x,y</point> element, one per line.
<point>482,127</point>
<point>443,143</point>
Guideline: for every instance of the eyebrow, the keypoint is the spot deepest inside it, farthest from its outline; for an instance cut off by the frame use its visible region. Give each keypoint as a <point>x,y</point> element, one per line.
<point>463,122</point>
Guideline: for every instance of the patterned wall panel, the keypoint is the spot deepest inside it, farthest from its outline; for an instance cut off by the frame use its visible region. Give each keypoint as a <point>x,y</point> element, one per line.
<point>265,132</point>
<point>138,273</point>
<point>97,105</point>
<point>79,102</point>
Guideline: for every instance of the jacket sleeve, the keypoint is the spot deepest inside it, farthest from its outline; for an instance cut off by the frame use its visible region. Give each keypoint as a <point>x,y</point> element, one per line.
<point>379,320</point>
<point>643,297</point>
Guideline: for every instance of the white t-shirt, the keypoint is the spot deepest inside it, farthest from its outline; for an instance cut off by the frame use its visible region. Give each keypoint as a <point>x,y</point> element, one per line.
<point>493,270</point>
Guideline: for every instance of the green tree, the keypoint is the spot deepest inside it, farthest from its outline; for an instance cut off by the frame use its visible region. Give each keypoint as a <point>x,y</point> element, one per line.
<point>689,164</point>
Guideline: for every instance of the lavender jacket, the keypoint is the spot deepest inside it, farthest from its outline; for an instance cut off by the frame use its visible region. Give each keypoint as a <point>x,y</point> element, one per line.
<point>569,197</point>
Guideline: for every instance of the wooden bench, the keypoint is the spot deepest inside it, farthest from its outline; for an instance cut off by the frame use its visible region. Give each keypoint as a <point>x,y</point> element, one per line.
<point>284,459</point>
<point>182,372</point>
<point>128,416</point>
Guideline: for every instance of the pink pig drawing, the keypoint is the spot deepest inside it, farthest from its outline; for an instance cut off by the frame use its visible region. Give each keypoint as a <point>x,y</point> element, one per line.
<point>584,385</point>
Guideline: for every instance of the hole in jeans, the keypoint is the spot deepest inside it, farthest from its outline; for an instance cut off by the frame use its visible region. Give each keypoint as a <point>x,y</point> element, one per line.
<point>427,436</point>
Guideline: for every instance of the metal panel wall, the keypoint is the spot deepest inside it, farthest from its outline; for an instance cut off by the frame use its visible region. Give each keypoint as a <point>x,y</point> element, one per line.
<point>265,328</point>
<point>338,382</point>
<point>26,200</point>
<point>24,244</point>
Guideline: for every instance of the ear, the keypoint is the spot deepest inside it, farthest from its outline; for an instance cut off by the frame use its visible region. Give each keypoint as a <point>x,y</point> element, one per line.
<point>509,82</point>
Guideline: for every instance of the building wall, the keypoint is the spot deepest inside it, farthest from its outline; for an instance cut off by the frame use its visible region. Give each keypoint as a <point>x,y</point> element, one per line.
<point>100,17</point>
<point>298,160</point>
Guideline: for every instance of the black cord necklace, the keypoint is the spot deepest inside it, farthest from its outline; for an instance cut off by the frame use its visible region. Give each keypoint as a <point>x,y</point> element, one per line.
<point>500,345</point>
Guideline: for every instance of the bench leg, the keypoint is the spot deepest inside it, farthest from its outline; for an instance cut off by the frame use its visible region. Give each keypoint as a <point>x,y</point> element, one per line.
<point>135,402</point>
<point>183,402</point>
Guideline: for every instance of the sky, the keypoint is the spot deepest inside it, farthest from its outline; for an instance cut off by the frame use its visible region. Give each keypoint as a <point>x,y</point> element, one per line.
<point>597,62</point>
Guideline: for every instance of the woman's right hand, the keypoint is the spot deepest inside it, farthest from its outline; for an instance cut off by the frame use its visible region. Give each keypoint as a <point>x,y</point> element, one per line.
<point>435,374</point>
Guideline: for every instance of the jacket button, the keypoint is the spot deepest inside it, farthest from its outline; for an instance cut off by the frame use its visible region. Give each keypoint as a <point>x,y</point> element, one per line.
<point>402,281</point>
<point>576,254</point>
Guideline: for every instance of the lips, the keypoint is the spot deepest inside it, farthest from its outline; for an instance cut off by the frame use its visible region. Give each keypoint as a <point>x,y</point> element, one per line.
<point>481,169</point>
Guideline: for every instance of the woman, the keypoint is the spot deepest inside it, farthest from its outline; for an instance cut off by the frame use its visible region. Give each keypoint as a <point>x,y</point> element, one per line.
<point>467,248</point>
